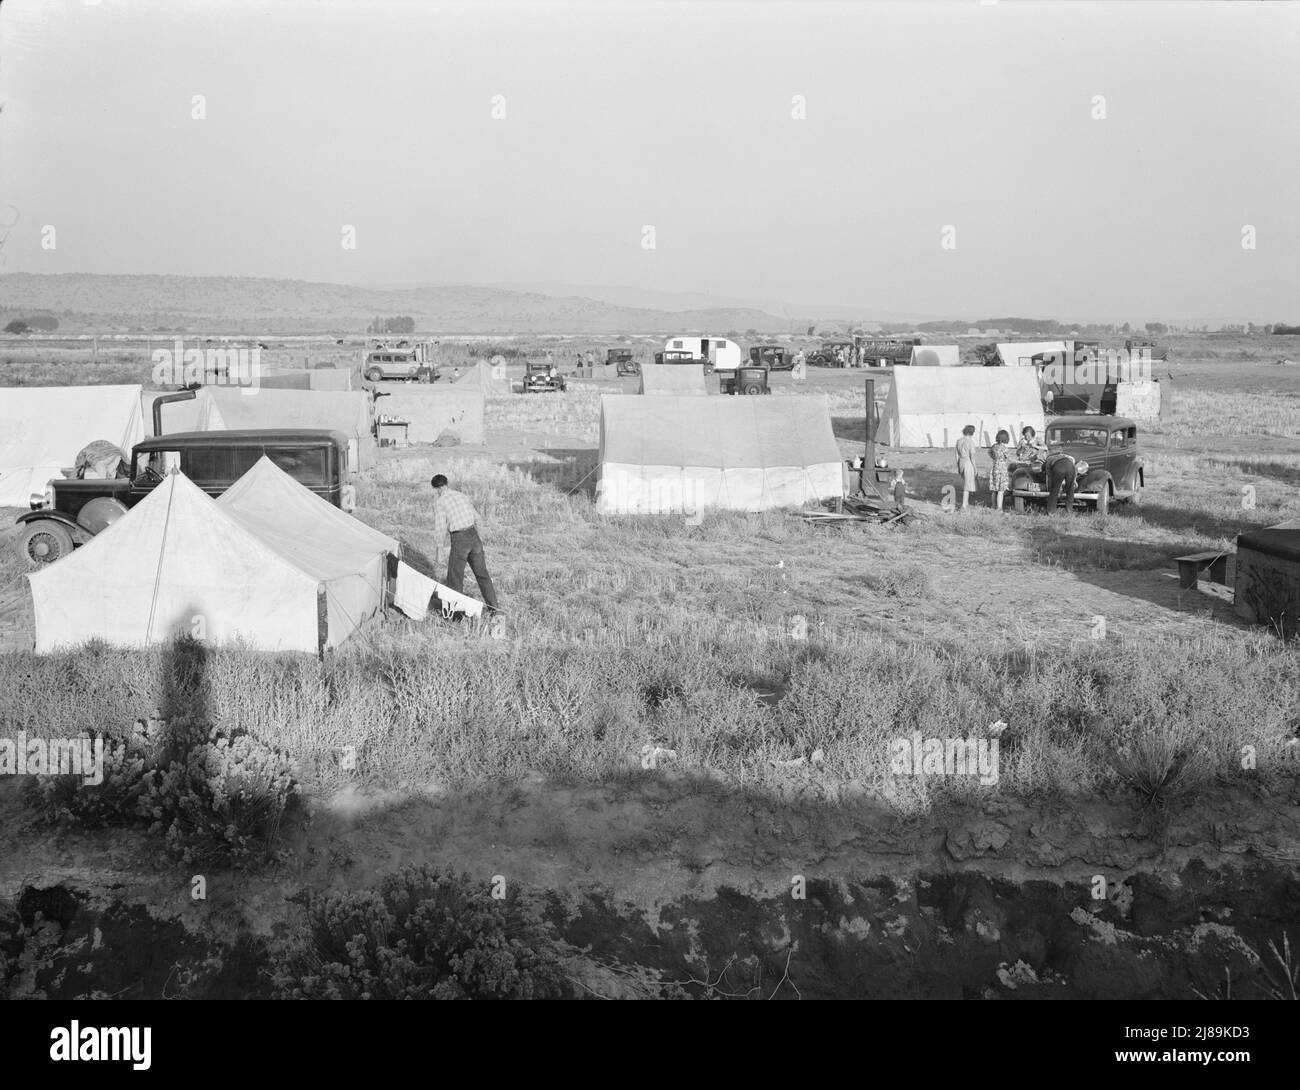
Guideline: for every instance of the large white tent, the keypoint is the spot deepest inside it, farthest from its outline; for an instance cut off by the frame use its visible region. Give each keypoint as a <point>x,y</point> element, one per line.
<point>270,565</point>
<point>936,355</point>
<point>42,428</point>
<point>929,408</point>
<point>1020,353</point>
<point>672,380</point>
<point>663,455</point>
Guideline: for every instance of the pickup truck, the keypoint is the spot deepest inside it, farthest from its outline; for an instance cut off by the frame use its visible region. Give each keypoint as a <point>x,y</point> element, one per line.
<point>72,511</point>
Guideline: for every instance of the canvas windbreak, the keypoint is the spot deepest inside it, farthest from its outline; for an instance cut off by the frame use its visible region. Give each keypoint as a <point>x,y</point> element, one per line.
<point>929,408</point>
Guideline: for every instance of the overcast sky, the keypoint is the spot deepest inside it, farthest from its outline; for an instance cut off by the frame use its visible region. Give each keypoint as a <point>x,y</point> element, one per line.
<point>979,117</point>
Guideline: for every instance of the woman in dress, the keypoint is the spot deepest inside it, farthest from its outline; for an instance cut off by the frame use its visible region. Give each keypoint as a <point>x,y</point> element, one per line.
<point>966,463</point>
<point>1000,474</point>
<point>1030,447</point>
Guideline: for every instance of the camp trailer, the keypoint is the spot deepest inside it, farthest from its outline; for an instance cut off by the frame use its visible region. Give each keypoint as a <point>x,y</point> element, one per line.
<point>716,353</point>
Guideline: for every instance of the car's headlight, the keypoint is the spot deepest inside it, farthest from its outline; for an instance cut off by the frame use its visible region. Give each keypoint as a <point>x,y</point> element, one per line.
<point>1081,467</point>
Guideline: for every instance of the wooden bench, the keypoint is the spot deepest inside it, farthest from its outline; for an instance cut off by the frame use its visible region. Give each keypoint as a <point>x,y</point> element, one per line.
<point>1191,566</point>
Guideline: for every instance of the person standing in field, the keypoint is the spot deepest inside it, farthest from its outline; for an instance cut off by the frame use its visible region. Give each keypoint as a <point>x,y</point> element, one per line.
<point>1000,474</point>
<point>454,515</point>
<point>966,463</point>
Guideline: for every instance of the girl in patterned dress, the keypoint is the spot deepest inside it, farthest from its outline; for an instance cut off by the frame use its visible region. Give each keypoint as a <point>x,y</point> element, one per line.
<point>1000,474</point>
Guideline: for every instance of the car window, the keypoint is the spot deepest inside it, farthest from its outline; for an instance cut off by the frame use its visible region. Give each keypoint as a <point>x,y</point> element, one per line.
<point>208,466</point>
<point>161,462</point>
<point>1118,440</point>
<point>1082,436</point>
<point>307,465</point>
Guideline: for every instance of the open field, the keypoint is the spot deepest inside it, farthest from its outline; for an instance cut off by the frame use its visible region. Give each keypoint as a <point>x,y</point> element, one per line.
<point>775,660</point>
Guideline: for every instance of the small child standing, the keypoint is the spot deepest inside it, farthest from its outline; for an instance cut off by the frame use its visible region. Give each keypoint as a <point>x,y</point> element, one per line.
<point>1000,474</point>
<point>900,491</point>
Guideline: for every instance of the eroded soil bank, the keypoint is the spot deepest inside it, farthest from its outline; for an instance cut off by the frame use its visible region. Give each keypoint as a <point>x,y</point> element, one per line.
<point>679,882</point>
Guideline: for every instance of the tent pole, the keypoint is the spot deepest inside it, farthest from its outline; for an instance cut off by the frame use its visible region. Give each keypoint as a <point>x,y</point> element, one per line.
<point>869,461</point>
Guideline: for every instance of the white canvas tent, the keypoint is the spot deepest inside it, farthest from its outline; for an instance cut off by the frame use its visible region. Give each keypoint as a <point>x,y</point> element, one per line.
<point>661,455</point>
<point>928,407</point>
<point>480,378</point>
<point>43,427</point>
<point>294,579</point>
<point>936,355</point>
<point>672,380</point>
<point>1018,354</point>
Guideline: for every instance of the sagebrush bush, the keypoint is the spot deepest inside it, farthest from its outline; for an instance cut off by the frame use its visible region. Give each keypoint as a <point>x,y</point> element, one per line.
<point>222,800</point>
<point>219,798</point>
<point>424,934</point>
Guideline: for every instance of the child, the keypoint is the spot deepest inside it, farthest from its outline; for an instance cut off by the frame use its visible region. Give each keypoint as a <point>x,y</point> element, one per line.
<point>1000,474</point>
<point>900,492</point>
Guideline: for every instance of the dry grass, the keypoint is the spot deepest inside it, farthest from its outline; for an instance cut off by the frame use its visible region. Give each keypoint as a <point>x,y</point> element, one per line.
<point>750,641</point>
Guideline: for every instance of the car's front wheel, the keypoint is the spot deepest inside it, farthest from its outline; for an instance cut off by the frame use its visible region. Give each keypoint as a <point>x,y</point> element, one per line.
<point>44,542</point>
<point>374,374</point>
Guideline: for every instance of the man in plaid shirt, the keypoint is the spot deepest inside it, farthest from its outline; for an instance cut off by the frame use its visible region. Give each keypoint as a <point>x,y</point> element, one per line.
<point>454,514</point>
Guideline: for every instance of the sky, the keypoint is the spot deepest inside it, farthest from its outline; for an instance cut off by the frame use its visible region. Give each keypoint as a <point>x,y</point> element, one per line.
<point>1083,161</point>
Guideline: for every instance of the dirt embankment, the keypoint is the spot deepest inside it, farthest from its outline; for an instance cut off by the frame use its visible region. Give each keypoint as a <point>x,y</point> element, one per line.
<point>671,879</point>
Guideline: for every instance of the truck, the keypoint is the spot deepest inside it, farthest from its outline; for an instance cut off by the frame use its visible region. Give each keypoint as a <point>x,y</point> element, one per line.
<point>74,510</point>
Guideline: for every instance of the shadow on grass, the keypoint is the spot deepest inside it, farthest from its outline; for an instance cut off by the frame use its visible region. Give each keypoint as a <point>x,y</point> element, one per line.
<point>1189,520</point>
<point>572,470</point>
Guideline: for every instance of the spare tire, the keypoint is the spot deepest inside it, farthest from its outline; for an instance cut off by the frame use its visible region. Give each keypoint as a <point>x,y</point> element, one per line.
<point>100,513</point>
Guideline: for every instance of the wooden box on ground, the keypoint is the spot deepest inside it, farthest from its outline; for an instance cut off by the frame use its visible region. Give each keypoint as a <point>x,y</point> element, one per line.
<point>1268,576</point>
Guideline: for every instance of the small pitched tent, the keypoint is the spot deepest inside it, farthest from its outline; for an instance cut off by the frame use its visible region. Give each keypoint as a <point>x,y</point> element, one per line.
<point>929,408</point>
<point>481,377</point>
<point>345,554</point>
<point>936,355</point>
<point>180,562</point>
<point>672,380</point>
<point>1267,583</point>
<point>453,412</point>
<point>1018,354</point>
<point>43,427</point>
<point>662,455</point>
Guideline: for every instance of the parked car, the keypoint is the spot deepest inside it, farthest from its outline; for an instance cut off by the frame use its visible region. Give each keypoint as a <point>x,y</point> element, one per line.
<point>405,365</point>
<point>681,356</point>
<point>775,357</point>
<point>746,380</point>
<point>825,356</point>
<point>72,511</point>
<point>1108,461</point>
<point>542,378</point>
<point>622,359</point>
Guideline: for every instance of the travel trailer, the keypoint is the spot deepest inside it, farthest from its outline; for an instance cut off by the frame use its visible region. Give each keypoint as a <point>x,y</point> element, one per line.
<point>716,353</point>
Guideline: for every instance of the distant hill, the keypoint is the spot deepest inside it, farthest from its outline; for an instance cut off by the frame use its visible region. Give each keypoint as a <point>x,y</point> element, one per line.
<point>111,303</point>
